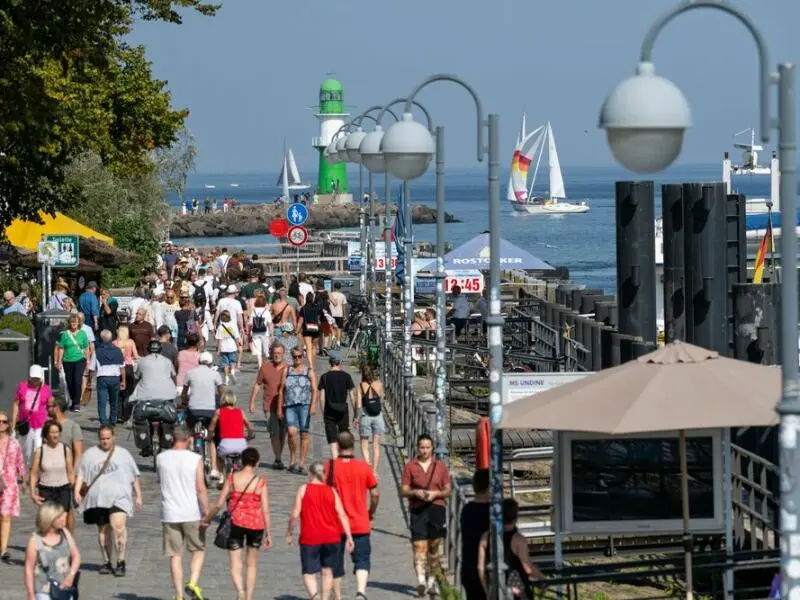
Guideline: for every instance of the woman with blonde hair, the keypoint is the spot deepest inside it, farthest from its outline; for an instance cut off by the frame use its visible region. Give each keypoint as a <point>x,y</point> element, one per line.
<point>12,470</point>
<point>52,558</point>
<point>231,422</point>
<point>129,355</point>
<point>72,351</point>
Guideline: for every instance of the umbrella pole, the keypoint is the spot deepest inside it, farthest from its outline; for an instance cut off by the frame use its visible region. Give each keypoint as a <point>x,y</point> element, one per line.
<point>687,535</point>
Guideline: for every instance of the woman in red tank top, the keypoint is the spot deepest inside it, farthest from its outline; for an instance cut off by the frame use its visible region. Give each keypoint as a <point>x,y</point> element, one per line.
<point>323,522</point>
<point>247,498</point>
<point>229,424</point>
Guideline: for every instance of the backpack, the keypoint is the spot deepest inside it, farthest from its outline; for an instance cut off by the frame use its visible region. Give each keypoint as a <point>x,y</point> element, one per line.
<point>371,402</point>
<point>199,296</point>
<point>259,321</point>
<point>191,324</point>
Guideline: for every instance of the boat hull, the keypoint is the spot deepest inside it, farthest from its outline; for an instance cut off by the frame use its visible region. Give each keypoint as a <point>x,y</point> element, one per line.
<point>558,208</point>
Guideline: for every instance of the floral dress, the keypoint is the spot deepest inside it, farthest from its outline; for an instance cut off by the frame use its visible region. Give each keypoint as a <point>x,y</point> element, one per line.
<point>12,465</point>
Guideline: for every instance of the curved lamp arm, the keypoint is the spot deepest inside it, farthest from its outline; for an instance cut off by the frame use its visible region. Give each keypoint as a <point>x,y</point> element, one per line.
<point>761,46</point>
<point>408,102</point>
<point>355,122</point>
<point>482,149</point>
<point>366,113</point>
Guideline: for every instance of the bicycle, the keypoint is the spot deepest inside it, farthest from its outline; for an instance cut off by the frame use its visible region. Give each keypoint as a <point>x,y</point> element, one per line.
<point>231,463</point>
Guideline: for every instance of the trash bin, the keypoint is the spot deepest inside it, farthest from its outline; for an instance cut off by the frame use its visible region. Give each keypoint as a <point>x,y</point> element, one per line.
<point>15,360</point>
<point>48,326</point>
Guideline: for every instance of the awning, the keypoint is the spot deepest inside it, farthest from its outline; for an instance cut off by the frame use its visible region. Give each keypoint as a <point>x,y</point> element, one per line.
<point>26,234</point>
<point>475,255</point>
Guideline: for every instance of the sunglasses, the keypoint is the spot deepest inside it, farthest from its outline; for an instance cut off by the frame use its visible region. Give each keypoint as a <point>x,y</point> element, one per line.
<point>297,356</point>
<point>3,421</point>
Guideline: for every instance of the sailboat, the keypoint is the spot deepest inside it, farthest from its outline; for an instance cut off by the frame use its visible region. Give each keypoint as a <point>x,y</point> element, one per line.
<point>524,199</point>
<point>291,172</point>
<point>520,136</point>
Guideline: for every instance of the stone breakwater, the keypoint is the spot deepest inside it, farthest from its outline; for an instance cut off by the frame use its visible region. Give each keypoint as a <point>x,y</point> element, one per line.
<point>255,219</point>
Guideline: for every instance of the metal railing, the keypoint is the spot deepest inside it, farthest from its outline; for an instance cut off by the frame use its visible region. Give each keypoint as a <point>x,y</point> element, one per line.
<point>756,505</point>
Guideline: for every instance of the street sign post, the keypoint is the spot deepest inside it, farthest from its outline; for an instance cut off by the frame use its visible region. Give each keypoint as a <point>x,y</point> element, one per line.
<point>298,236</point>
<point>297,213</point>
<point>67,250</point>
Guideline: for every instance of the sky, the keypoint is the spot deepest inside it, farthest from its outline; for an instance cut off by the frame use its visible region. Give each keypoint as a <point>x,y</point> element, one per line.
<point>250,75</point>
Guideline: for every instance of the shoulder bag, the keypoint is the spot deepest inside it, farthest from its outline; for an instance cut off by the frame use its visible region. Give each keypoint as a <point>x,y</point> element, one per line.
<point>225,522</point>
<point>87,486</point>
<point>434,465</point>
<point>56,592</point>
<point>23,427</point>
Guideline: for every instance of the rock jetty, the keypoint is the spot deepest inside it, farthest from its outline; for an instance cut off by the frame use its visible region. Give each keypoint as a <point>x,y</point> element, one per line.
<point>255,219</point>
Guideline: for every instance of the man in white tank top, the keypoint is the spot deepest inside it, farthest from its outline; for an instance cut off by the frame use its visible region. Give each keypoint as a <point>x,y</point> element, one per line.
<point>184,501</point>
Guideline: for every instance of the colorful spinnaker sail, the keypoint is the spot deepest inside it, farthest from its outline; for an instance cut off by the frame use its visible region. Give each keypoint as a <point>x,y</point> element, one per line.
<point>521,162</point>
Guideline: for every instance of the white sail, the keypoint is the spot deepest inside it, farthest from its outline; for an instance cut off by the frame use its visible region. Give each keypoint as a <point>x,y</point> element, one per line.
<point>291,172</point>
<point>285,180</point>
<point>557,191</point>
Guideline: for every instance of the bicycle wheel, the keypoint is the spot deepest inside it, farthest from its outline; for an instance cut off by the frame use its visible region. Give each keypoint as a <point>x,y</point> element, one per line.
<point>207,466</point>
<point>155,444</point>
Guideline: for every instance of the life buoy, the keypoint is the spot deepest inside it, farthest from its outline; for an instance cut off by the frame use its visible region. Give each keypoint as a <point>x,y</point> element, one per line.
<point>482,443</point>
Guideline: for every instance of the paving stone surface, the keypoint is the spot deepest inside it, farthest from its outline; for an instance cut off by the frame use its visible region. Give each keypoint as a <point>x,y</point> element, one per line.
<point>279,568</point>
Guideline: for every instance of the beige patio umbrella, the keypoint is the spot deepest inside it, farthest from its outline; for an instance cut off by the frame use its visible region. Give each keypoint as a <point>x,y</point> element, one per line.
<point>677,387</point>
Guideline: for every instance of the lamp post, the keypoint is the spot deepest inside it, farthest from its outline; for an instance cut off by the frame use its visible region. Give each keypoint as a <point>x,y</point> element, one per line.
<point>408,149</point>
<point>375,161</point>
<point>645,117</point>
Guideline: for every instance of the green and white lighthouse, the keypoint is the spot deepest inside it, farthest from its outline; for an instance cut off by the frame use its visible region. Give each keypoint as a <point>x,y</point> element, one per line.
<point>331,114</point>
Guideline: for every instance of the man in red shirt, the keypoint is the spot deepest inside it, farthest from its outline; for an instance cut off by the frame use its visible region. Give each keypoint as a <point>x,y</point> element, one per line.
<point>353,478</point>
<point>269,377</point>
<point>426,484</point>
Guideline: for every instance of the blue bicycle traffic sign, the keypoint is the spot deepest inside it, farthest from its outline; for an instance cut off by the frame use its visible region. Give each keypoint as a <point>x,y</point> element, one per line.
<point>297,214</point>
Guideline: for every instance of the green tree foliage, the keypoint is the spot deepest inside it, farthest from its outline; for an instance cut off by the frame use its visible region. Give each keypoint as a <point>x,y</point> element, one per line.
<point>70,85</point>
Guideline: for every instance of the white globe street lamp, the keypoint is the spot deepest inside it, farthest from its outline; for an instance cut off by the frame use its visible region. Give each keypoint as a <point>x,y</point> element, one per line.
<point>644,118</point>
<point>352,145</point>
<point>331,154</point>
<point>341,152</point>
<point>407,148</point>
<point>370,151</point>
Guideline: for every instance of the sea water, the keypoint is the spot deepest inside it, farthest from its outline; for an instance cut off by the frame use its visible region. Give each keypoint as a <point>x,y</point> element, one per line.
<point>585,243</point>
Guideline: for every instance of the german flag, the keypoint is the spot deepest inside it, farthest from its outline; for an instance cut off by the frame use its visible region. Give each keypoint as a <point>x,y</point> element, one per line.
<point>767,245</point>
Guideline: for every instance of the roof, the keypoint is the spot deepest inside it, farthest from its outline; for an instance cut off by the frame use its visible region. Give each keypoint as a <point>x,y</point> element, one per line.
<point>27,234</point>
<point>331,85</point>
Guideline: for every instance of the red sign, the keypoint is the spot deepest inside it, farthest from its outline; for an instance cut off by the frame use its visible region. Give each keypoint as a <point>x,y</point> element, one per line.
<point>279,227</point>
<point>469,285</point>
<point>298,235</point>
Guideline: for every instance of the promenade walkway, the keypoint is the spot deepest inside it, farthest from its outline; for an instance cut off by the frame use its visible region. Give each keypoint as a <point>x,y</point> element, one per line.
<point>279,568</point>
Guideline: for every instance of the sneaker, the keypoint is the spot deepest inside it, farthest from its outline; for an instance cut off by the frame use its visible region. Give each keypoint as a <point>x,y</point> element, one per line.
<point>233,376</point>
<point>278,465</point>
<point>194,591</point>
<point>120,570</point>
<point>6,558</point>
<point>227,380</point>
<point>75,409</point>
<point>107,569</point>
<point>300,470</point>
<point>421,589</point>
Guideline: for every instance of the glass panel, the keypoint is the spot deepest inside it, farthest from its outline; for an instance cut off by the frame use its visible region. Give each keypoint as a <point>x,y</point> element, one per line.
<point>634,479</point>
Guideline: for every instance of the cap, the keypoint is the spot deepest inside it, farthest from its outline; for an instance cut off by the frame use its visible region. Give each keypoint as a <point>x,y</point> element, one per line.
<point>36,372</point>
<point>154,347</point>
<point>334,357</point>
<point>206,358</point>
<point>91,284</point>
<point>232,289</point>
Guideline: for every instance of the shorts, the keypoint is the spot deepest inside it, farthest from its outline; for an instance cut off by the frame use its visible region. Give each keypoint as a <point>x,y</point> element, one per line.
<point>197,415</point>
<point>276,426</point>
<point>361,555</point>
<point>61,495</point>
<point>180,535</point>
<point>100,516</point>
<point>231,446</point>
<point>369,426</point>
<point>227,359</point>
<point>241,537</point>
<point>321,556</point>
<point>335,423</point>
<point>428,522</point>
<point>312,335</point>
<point>339,322</point>
<point>298,416</point>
